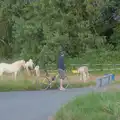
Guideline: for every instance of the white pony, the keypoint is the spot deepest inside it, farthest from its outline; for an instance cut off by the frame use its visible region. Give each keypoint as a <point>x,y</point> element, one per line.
<point>29,65</point>
<point>12,68</point>
<point>37,71</point>
<point>83,71</point>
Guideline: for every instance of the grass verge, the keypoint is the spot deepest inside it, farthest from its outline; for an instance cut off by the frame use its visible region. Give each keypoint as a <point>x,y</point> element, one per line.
<point>26,85</point>
<point>100,106</point>
<point>18,85</point>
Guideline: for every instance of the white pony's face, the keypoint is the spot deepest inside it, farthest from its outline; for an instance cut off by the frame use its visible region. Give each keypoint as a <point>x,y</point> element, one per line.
<point>23,63</point>
<point>37,68</point>
<point>30,63</point>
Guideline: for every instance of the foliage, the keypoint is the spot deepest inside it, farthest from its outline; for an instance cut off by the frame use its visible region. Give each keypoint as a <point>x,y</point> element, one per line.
<point>38,30</point>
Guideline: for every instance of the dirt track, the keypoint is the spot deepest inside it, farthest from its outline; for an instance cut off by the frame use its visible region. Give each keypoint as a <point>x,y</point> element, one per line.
<point>75,78</point>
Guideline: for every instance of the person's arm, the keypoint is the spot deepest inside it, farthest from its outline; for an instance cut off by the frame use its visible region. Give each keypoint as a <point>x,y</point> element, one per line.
<point>64,64</point>
<point>45,69</point>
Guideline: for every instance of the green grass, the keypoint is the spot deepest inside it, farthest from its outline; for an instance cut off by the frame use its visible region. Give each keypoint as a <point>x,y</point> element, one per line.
<point>18,85</point>
<point>116,72</point>
<point>80,85</point>
<point>26,85</point>
<point>102,72</point>
<point>94,106</point>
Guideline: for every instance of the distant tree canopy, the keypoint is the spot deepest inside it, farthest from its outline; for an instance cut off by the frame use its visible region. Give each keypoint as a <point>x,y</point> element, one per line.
<point>38,28</point>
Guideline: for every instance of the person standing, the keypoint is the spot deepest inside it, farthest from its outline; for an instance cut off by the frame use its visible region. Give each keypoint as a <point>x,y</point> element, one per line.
<point>61,69</point>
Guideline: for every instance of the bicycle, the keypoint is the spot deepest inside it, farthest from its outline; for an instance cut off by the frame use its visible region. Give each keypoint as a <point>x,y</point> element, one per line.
<point>48,80</point>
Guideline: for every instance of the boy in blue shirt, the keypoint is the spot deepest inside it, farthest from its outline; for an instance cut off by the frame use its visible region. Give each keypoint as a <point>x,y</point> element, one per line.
<point>61,70</point>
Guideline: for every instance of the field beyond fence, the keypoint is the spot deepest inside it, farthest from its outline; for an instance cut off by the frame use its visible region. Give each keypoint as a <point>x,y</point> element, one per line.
<point>92,67</point>
<point>28,83</point>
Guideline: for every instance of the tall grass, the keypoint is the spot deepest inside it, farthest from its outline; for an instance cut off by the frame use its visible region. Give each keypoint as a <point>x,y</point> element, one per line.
<point>100,106</point>
<point>28,85</point>
<point>19,85</point>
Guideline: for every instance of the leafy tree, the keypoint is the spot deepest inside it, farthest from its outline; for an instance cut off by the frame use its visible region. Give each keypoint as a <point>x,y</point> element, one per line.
<point>37,29</point>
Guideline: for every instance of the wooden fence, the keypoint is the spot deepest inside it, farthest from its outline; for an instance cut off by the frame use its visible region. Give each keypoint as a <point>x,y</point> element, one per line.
<point>99,67</point>
<point>92,67</point>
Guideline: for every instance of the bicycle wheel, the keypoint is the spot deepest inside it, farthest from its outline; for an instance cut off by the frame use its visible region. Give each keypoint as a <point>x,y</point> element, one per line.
<point>44,84</point>
<point>65,82</point>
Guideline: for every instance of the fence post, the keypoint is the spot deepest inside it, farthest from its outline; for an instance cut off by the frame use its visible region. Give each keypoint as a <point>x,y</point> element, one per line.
<point>103,81</point>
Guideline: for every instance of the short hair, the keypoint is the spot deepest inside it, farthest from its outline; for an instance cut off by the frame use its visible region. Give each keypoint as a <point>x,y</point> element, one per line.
<point>61,53</point>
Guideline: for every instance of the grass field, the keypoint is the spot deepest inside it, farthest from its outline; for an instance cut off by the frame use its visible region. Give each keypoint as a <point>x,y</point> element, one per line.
<point>25,82</point>
<point>100,106</point>
<point>30,83</point>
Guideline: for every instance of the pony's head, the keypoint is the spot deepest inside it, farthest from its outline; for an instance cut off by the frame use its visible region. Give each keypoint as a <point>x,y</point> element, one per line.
<point>22,62</point>
<point>37,68</point>
<point>30,64</point>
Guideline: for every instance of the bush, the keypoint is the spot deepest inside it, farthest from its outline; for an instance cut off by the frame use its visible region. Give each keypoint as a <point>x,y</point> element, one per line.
<point>100,106</point>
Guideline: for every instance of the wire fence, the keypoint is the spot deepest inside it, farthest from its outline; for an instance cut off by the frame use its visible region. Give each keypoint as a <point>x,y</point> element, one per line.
<point>92,67</point>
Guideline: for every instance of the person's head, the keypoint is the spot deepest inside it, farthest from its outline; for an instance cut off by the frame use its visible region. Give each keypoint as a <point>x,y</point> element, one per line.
<point>61,53</point>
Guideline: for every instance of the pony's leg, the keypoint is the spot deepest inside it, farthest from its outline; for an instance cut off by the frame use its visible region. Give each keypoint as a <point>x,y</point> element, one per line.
<point>15,75</point>
<point>84,77</point>
<point>12,76</point>
<point>1,75</point>
<point>78,73</point>
<point>80,76</point>
<point>26,69</point>
<point>88,75</point>
<point>28,72</point>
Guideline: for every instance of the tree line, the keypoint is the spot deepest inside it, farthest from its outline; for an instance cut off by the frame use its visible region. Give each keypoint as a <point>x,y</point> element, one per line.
<point>39,29</point>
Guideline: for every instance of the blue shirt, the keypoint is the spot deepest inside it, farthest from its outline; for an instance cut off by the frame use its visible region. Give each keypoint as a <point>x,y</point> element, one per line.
<point>61,63</point>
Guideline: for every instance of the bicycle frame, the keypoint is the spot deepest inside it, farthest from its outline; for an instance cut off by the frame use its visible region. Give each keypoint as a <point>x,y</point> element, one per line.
<point>53,79</point>
<point>48,80</point>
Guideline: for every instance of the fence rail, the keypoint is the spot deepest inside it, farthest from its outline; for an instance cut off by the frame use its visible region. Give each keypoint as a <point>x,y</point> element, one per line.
<point>92,67</point>
<point>104,80</point>
<point>103,69</point>
<point>89,64</point>
<point>93,64</point>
